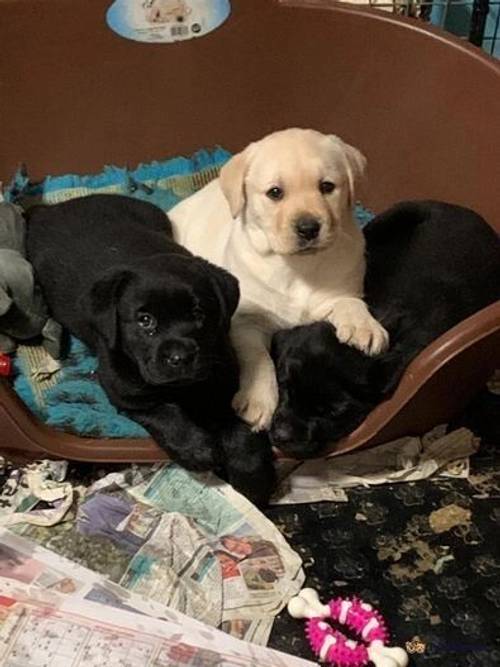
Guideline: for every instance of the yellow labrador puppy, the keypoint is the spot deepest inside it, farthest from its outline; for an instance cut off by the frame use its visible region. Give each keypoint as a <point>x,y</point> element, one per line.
<point>280,218</point>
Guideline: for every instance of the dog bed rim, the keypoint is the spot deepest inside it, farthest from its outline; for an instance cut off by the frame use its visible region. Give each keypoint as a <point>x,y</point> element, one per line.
<point>28,437</point>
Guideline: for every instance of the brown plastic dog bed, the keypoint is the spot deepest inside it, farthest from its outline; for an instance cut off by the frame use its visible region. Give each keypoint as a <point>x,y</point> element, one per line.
<point>423,106</point>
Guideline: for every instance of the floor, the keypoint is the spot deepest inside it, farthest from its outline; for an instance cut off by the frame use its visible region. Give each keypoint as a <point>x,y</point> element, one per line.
<point>439,591</point>
<point>437,582</point>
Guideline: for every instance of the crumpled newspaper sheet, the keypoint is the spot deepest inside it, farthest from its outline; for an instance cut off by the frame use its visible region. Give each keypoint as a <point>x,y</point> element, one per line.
<point>26,488</point>
<point>183,540</point>
<point>40,627</point>
<point>404,460</point>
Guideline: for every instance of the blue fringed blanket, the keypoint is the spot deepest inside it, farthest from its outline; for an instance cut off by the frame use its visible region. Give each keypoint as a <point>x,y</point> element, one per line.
<point>72,400</point>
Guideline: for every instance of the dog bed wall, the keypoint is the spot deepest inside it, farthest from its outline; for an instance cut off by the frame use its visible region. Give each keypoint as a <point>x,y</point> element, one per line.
<point>422,105</point>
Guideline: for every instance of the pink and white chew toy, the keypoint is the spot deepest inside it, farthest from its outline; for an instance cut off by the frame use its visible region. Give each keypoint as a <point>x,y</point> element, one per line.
<point>332,646</point>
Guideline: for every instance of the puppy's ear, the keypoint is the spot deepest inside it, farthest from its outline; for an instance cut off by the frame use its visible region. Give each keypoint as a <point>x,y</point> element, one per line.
<point>280,345</point>
<point>226,288</point>
<point>356,373</point>
<point>355,163</point>
<point>232,180</point>
<point>101,304</point>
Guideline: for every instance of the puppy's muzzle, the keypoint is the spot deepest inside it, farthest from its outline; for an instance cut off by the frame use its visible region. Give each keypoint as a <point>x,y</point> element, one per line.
<point>178,355</point>
<point>307,229</point>
<point>292,436</point>
<point>281,433</point>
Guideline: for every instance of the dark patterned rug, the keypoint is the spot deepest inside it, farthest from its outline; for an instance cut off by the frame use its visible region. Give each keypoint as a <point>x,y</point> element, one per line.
<point>439,591</point>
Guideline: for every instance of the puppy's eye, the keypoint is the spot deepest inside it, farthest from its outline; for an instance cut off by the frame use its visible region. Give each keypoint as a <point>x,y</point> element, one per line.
<point>146,321</point>
<point>326,187</point>
<point>275,193</point>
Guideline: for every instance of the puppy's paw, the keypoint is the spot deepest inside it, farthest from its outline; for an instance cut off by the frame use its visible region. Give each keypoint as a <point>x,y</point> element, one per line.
<point>257,484</point>
<point>256,404</point>
<point>201,461</point>
<point>199,454</point>
<point>249,464</point>
<point>365,334</point>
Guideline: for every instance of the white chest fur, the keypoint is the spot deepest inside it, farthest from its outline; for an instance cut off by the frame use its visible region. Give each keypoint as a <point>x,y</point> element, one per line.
<point>287,290</point>
<point>294,289</point>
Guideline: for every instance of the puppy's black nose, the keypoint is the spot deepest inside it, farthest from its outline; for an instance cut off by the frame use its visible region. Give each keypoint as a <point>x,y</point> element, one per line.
<point>308,228</point>
<point>281,433</point>
<point>180,358</point>
<point>175,359</point>
<point>179,354</point>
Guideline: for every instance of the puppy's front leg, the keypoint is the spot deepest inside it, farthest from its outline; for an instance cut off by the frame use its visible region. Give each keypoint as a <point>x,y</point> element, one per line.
<point>188,444</point>
<point>257,398</point>
<point>248,461</point>
<point>356,326</point>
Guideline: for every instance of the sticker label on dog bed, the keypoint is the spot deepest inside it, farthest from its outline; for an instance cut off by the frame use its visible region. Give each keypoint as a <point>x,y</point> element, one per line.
<point>166,20</point>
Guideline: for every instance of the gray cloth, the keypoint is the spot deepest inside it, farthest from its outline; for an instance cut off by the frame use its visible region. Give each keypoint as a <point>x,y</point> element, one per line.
<point>23,312</point>
<point>12,228</point>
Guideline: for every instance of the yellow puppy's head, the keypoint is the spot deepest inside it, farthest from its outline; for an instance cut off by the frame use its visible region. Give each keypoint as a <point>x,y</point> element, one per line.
<point>293,189</point>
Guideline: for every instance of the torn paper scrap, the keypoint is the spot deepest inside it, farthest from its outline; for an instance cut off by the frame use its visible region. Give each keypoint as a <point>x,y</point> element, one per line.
<point>407,459</point>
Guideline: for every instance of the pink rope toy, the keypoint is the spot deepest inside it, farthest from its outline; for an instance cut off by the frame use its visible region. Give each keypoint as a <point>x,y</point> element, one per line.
<point>332,646</point>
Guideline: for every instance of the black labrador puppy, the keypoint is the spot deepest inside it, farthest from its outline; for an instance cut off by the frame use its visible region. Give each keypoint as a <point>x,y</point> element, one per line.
<point>429,266</point>
<point>158,320</point>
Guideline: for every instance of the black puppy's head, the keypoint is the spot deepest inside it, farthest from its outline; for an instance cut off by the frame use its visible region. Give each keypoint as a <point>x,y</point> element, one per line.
<point>168,314</point>
<point>325,389</point>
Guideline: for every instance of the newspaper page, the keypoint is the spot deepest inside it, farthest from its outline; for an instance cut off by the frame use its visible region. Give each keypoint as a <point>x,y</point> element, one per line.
<point>257,568</point>
<point>185,541</point>
<point>38,627</point>
<point>29,563</point>
<point>24,488</point>
<point>407,459</point>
